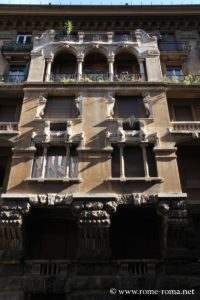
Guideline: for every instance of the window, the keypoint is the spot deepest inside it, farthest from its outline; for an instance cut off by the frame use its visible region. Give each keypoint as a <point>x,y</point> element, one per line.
<point>23,38</point>
<point>60,108</point>
<point>133,161</point>
<point>55,162</point>
<point>127,106</point>
<point>10,110</point>
<point>5,154</point>
<point>174,71</point>
<point>17,73</point>
<point>184,110</point>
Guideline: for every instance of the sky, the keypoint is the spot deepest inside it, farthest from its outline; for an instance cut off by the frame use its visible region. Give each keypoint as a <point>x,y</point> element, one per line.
<point>101,2</point>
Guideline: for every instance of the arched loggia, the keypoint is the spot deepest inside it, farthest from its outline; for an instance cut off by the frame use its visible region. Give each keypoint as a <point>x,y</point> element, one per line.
<point>95,67</point>
<point>64,67</point>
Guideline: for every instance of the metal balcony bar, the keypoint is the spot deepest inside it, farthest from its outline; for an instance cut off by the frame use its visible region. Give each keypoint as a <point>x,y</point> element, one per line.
<point>67,37</point>
<point>100,37</point>
<point>16,47</point>
<point>127,77</point>
<point>185,79</point>
<point>63,77</point>
<point>124,38</point>
<point>13,78</point>
<point>174,46</point>
<point>95,77</point>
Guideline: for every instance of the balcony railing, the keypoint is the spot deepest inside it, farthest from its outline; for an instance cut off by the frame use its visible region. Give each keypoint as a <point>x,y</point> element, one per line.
<point>67,37</point>
<point>138,267</point>
<point>127,77</point>
<point>184,79</point>
<point>48,267</point>
<point>95,77</point>
<point>174,46</point>
<point>12,78</point>
<point>8,127</point>
<point>16,47</point>
<point>65,78</point>
<point>124,38</point>
<point>100,37</point>
<point>185,127</point>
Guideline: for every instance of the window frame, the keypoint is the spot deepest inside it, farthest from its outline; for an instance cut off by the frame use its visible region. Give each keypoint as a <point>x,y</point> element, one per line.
<point>173,103</point>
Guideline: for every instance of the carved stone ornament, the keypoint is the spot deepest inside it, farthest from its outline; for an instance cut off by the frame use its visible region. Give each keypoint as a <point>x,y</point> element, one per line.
<point>79,104</point>
<point>138,199</point>
<point>94,213</point>
<point>41,107</point>
<point>147,104</point>
<point>50,199</point>
<point>110,105</point>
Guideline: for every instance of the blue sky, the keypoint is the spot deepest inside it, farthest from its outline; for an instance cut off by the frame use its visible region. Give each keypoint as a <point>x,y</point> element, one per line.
<point>101,2</point>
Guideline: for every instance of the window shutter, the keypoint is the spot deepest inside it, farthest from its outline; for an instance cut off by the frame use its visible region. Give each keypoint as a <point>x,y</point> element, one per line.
<point>60,108</point>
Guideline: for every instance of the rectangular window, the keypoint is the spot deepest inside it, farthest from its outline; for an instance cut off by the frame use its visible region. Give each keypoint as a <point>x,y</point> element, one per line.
<point>10,109</point>
<point>23,38</point>
<point>60,108</point>
<point>187,110</point>
<point>129,106</point>
<point>17,73</point>
<point>183,112</point>
<point>5,154</point>
<point>55,162</point>
<point>174,71</point>
<point>133,161</point>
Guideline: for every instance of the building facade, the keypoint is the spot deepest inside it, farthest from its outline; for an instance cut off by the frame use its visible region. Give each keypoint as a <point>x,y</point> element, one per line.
<point>99,152</point>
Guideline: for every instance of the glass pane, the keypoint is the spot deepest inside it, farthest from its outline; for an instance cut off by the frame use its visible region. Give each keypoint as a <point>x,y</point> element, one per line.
<point>37,167</point>
<point>133,161</point>
<point>56,166</point>
<point>73,170</point>
<point>183,113</point>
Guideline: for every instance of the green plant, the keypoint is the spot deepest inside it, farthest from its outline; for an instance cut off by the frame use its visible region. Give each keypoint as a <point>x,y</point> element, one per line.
<point>86,79</point>
<point>68,26</point>
<point>67,80</point>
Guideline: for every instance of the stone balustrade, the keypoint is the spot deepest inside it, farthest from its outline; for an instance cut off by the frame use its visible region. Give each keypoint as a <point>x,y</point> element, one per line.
<point>138,267</point>
<point>48,267</point>
<point>8,127</point>
<point>185,127</point>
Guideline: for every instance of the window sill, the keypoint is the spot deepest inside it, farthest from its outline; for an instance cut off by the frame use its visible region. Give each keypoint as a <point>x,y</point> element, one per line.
<point>133,179</point>
<point>42,180</point>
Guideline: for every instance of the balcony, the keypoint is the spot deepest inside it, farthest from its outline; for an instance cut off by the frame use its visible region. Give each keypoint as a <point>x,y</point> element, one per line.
<point>183,79</point>
<point>48,267</point>
<point>16,47</point>
<point>8,128</point>
<point>127,77</point>
<point>100,37</point>
<point>12,78</point>
<point>185,127</point>
<point>174,46</point>
<point>138,267</point>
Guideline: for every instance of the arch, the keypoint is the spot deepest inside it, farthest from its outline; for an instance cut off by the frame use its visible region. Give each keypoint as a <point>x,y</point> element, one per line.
<point>95,65</point>
<point>96,47</point>
<point>127,48</point>
<point>64,48</point>
<point>126,65</point>
<point>64,65</point>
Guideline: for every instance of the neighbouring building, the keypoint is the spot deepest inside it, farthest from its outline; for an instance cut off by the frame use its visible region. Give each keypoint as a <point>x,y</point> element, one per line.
<point>99,151</point>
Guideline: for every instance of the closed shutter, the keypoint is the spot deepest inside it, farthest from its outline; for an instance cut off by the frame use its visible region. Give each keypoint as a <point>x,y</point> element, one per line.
<point>127,106</point>
<point>60,108</point>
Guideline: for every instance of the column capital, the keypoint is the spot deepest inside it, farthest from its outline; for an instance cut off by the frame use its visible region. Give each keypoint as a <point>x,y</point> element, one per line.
<point>80,58</point>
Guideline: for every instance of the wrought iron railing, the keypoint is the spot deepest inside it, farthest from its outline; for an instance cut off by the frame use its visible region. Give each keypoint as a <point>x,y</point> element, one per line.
<point>174,46</point>
<point>100,37</point>
<point>89,77</point>
<point>67,37</point>
<point>65,78</point>
<point>12,78</point>
<point>16,47</point>
<point>124,38</point>
<point>127,77</point>
<point>184,79</point>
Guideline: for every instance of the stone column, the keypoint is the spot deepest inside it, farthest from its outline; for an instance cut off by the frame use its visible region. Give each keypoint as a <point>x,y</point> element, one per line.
<point>111,67</point>
<point>145,161</point>
<point>141,65</point>
<point>67,161</point>
<point>44,161</point>
<point>122,166</point>
<point>48,69</point>
<point>80,60</point>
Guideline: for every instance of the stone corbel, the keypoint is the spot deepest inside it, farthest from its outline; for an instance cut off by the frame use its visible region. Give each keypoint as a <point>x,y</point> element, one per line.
<point>69,132</point>
<point>11,224</point>
<point>46,132</point>
<point>110,105</point>
<point>41,107</point>
<point>147,104</point>
<point>138,199</point>
<point>79,104</point>
<point>50,199</point>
